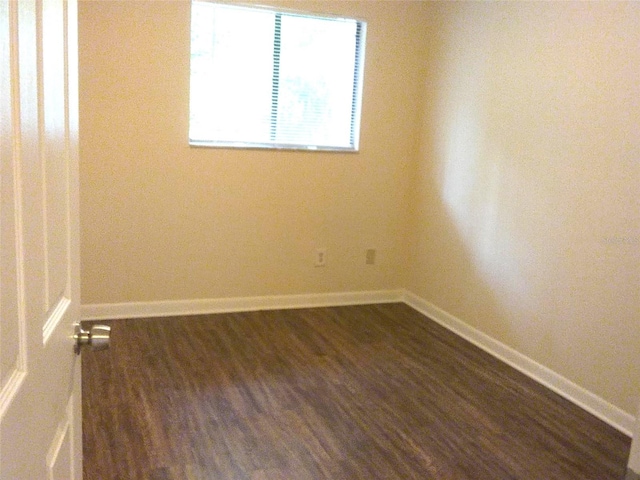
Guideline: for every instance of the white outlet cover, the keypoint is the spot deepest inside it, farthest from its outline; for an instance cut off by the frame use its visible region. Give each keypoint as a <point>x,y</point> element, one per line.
<point>321,257</point>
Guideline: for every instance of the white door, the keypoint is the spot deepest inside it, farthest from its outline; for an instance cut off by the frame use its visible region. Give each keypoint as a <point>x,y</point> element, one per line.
<point>40,408</point>
<point>634,457</point>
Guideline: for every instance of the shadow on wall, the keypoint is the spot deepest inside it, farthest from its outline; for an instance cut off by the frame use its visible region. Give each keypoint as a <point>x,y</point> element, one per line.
<point>466,188</point>
<point>528,224</point>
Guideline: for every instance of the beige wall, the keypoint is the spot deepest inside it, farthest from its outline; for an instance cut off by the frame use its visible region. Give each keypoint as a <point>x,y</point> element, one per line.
<point>163,221</point>
<point>527,214</point>
<point>498,177</point>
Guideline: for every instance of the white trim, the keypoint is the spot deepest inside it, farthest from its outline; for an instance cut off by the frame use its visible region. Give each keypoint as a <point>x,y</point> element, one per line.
<point>576,394</point>
<point>167,308</point>
<point>17,376</point>
<point>61,437</point>
<point>54,318</point>
<point>583,398</point>
<point>10,389</point>
<point>634,456</point>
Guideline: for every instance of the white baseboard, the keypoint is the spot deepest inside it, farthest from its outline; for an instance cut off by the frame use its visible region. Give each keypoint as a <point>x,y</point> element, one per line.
<point>614,416</point>
<point>108,311</point>
<point>583,398</point>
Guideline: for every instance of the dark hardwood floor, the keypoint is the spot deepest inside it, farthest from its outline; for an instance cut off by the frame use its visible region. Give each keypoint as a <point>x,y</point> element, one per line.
<point>363,392</point>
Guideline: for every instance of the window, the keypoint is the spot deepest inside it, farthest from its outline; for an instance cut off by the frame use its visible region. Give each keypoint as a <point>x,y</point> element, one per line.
<point>267,79</point>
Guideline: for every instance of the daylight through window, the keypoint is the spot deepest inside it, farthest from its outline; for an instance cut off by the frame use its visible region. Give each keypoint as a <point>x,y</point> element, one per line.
<point>268,79</point>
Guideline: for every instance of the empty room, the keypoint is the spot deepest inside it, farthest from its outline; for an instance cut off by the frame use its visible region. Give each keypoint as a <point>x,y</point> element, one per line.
<point>436,277</point>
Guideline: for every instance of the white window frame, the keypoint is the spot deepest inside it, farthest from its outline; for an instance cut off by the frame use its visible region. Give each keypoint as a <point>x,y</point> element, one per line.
<point>356,107</point>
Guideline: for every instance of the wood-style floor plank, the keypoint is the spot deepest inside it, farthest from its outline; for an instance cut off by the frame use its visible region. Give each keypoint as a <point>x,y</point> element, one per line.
<point>363,392</point>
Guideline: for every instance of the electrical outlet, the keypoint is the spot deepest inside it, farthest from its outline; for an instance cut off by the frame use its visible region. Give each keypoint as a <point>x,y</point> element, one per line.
<point>370,256</point>
<point>321,257</point>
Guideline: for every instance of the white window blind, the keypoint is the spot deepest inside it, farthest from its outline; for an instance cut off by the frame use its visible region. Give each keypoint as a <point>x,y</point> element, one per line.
<point>262,78</point>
